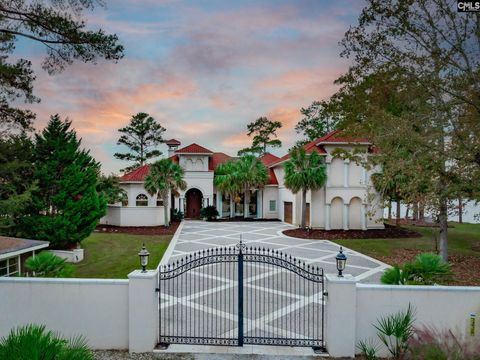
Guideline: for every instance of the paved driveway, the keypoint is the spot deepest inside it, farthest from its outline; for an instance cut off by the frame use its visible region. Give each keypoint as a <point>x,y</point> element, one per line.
<point>199,235</point>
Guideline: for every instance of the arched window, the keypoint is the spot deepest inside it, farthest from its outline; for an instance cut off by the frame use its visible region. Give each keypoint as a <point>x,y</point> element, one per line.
<point>141,200</point>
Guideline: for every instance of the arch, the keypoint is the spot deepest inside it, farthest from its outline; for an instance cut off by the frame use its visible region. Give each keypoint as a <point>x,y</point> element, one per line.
<point>193,198</point>
<point>141,200</point>
<point>336,213</point>
<point>189,164</point>
<point>336,172</point>
<point>355,214</point>
<point>199,165</point>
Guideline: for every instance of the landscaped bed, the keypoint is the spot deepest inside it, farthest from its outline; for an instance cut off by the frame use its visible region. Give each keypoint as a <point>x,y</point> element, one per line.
<point>390,232</point>
<point>114,255</point>
<point>463,247</point>
<point>139,230</point>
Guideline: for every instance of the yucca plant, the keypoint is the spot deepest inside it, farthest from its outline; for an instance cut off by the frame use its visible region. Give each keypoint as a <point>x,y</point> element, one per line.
<point>34,342</point>
<point>47,264</point>
<point>368,349</point>
<point>395,331</point>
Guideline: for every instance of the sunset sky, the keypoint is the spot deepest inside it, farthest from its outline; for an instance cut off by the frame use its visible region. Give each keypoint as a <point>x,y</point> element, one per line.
<point>203,69</point>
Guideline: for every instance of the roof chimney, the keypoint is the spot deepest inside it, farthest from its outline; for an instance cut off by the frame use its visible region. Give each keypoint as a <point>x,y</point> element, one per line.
<point>173,145</point>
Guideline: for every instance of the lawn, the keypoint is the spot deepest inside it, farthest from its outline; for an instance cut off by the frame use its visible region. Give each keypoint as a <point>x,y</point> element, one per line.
<point>115,255</point>
<point>463,245</point>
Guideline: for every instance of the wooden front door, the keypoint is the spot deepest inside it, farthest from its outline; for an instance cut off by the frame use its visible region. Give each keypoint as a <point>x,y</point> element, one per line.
<point>194,203</point>
<point>287,212</point>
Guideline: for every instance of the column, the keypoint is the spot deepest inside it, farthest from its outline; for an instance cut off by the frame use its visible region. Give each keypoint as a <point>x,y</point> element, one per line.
<point>219,204</point>
<point>328,163</point>
<point>245,206</point>
<point>142,311</point>
<point>364,176</point>
<point>346,163</point>
<point>341,315</point>
<point>181,204</point>
<point>327,216</point>
<point>363,214</point>
<point>345,216</point>
<point>232,207</point>
<point>259,204</point>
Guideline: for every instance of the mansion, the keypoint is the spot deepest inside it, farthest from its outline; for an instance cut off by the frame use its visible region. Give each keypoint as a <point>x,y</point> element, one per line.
<point>347,201</point>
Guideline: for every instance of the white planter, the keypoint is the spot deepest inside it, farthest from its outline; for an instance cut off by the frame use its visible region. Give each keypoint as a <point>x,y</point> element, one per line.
<point>71,256</point>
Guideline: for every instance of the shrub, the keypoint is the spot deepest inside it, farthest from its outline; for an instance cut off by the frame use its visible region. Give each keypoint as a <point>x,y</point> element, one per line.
<point>368,349</point>
<point>427,269</point>
<point>209,213</point>
<point>34,342</point>
<point>46,264</point>
<point>395,331</point>
<point>177,215</point>
<point>431,344</point>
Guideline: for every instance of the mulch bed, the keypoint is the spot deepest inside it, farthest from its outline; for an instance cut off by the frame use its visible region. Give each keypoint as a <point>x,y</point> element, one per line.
<point>389,232</point>
<point>466,269</point>
<point>139,230</point>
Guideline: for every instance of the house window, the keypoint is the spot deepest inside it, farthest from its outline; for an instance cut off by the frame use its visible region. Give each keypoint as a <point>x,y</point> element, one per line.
<point>141,200</point>
<point>9,267</point>
<point>273,205</point>
<point>159,202</point>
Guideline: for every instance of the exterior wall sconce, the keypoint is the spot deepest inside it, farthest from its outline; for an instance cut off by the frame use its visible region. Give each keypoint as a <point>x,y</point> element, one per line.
<point>144,254</point>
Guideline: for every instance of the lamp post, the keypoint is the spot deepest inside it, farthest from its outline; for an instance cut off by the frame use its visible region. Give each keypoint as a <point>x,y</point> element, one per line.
<point>144,254</point>
<point>341,259</point>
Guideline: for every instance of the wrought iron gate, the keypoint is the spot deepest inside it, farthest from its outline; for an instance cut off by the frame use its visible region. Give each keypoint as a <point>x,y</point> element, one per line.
<point>241,295</point>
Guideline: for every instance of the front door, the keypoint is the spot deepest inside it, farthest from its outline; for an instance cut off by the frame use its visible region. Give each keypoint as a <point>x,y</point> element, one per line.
<point>194,203</point>
<point>287,212</point>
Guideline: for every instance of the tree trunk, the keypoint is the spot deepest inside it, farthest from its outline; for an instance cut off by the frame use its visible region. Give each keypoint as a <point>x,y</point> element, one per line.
<point>407,211</point>
<point>246,199</point>
<point>232,206</point>
<point>165,209</point>
<point>304,209</point>
<point>390,210</point>
<point>460,211</point>
<point>415,210</point>
<point>443,222</point>
<point>421,211</point>
<point>397,220</point>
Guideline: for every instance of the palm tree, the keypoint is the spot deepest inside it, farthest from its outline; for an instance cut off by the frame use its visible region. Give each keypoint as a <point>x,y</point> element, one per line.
<point>250,173</point>
<point>304,172</point>
<point>225,180</point>
<point>165,177</point>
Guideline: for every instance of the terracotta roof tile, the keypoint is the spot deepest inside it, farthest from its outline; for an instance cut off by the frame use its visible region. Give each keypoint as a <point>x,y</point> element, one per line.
<point>218,158</point>
<point>193,149</point>
<point>136,175</point>
<point>172,142</point>
<point>268,159</point>
<point>272,177</point>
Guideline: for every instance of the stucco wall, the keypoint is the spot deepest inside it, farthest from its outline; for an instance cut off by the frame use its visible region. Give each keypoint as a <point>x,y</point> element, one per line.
<point>355,214</point>
<point>317,208</point>
<point>96,309</point>
<point>270,193</point>
<point>336,214</point>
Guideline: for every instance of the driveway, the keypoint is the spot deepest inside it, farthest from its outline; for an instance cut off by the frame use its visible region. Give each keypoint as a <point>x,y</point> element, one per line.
<point>199,235</point>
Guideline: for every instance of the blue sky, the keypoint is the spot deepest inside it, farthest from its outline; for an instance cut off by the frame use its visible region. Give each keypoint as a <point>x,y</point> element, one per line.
<point>203,69</point>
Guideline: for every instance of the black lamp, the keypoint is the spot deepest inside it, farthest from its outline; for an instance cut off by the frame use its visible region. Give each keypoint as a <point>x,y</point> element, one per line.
<point>144,254</point>
<point>341,259</point>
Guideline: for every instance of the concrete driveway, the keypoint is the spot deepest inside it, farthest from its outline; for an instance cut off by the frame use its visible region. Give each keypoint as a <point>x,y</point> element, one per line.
<point>199,235</point>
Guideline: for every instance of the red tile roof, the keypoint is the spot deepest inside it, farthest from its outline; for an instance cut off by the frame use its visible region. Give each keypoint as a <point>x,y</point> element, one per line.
<point>193,149</point>
<point>136,175</point>
<point>268,159</point>
<point>172,142</point>
<point>272,177</point>
<point>218,158</point>
<point>316,145</point>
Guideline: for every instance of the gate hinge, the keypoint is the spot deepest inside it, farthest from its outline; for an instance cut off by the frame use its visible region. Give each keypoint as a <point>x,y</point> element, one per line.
<point>157,289</point>
<point>325,293</point>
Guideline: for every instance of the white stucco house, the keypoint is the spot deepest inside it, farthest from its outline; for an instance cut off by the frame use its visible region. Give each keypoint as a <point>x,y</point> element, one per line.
<point>347,201</point>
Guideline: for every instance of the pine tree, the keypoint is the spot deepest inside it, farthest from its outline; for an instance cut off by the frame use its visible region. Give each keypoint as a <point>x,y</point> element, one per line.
<point>66,207</point>
<point>264,133</point>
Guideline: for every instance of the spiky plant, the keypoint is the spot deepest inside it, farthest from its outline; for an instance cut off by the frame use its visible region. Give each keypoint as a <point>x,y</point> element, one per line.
<point>165,176</point>
<point>47,264</point>
<point>34,342</point>
<point>225,180</point>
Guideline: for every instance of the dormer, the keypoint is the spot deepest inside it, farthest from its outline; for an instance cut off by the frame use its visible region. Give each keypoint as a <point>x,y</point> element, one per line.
<point>194,157</point>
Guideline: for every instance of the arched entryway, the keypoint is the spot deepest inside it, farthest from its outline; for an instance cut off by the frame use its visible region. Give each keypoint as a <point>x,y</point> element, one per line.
<point>194,203</point>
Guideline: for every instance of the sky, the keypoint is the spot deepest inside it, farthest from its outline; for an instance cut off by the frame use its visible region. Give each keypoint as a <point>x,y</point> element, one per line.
<point>203,69</point>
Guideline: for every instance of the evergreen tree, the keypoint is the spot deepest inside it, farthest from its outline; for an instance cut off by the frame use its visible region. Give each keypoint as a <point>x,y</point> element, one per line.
<point>141,136</point>
<point>315,123</point>
<point>66,207</point>
<point>264,133</point>
<point>16,182</point>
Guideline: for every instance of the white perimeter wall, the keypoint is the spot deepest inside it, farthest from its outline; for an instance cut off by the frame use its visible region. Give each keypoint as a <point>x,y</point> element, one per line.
<point>353,308</point>
<point>134,216</point>
<point>96,309</point>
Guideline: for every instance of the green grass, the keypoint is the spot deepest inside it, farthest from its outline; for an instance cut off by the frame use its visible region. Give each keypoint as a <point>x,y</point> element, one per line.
<point>114,256</point>
<point>463,239</point>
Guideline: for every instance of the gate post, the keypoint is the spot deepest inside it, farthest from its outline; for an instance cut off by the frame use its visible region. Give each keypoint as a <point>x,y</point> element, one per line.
<point>340,334</point>
<point>240,295</point>
<point>142,311</point>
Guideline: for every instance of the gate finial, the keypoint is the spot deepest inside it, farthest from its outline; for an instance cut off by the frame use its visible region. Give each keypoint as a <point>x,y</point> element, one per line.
<point>241,246</point>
